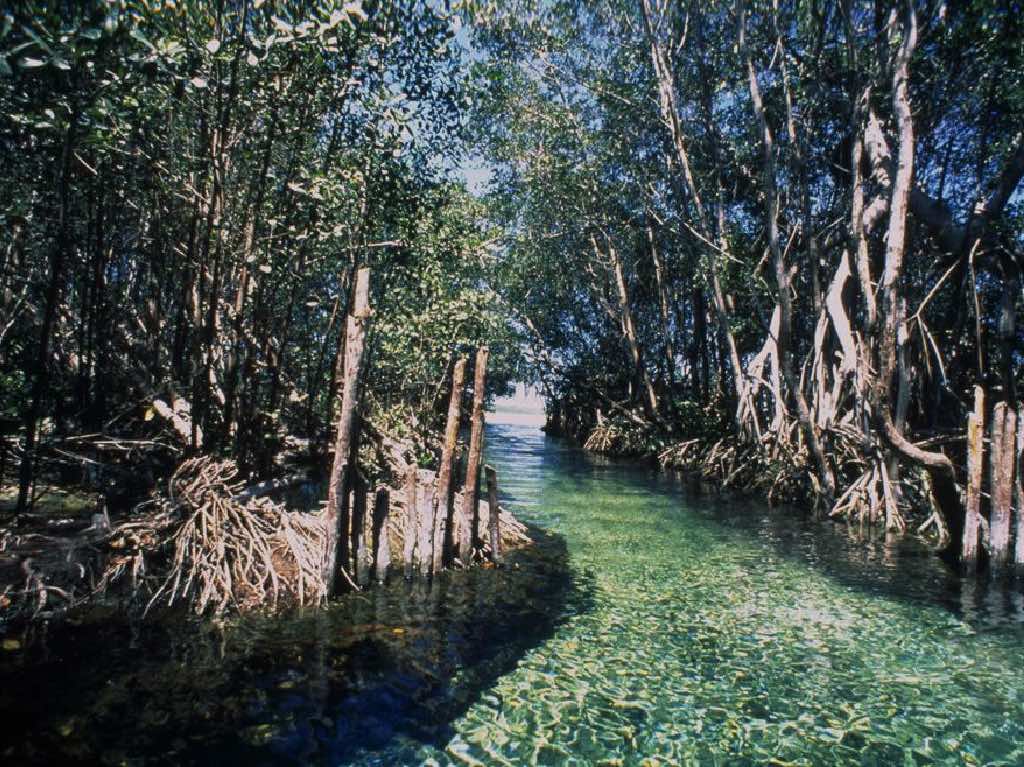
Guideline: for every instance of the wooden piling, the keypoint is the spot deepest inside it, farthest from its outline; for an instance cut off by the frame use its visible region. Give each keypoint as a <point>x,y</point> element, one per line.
<point>363,557</point>
<point>425,528</point>
<point>412,519</point>
<point>470,490</point>
<point>335,555</point>
<point>442,515</point>
<point>381,537</point>
<point>1004,448</point>
<point>494,515</point>
<point>1018,491</point>
<point>975,459</point>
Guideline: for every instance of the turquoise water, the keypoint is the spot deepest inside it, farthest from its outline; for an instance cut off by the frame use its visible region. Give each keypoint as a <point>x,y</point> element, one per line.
<point>729,634</point>
<point>651,626</point>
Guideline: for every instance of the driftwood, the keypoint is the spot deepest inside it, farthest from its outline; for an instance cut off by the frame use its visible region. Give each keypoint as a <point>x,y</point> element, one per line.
<point>363,557</point>
<point>411,520</point>
<point>426,528</point>
<point>225,554</point>
<point>381,539</point>
<point>216,546</point>
<point>271,486</point>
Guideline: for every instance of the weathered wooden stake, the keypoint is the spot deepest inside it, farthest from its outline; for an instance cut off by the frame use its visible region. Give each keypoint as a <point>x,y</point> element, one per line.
<point>470,490</point>
<point>335,554</point>
<point>975,459</point>
<point>363,557</point>
<point>412,518</point>
<point>494,515</point>
<point>444,475</point>
<point>1004,448</point>
<point>1018,485</point>
<point>425,538</point>
<point>381,537</point>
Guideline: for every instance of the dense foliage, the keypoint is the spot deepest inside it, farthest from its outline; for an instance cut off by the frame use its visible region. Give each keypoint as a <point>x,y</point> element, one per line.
<point>796,222</point>
<point>188,189</point>
<point>796,226</point>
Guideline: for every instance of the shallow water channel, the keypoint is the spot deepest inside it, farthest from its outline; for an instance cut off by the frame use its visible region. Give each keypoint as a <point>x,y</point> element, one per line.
<point>651,626</point>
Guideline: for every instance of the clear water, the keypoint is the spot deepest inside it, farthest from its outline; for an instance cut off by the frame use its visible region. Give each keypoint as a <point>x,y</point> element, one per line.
<point>656,627</point>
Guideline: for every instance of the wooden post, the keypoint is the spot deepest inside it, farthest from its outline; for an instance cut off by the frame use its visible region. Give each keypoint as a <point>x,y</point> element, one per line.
<point>494,518</point>
<point>975,456</point>
<point>359,548</point>
<point>470,490</point>
<point>444,475</point>
<point>381,537</point>
<point>1018,491</point>
<point>411,521</point>
<point>1004,447</point>
<point>335,553</point>
<point>425,528</point>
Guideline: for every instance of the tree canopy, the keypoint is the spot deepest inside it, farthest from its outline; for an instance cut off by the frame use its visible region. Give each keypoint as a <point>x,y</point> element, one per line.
<point>189,189</point>
<point>794,222</point>
<point>796,226</point>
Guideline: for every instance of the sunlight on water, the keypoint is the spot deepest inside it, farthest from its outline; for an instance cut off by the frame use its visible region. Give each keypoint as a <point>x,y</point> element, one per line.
<point>739,637</point>
<point>650,626</point>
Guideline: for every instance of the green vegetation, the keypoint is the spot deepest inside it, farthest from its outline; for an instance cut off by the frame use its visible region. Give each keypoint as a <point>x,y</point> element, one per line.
<point>188,191</point>
<point>251,295</point>
<point>791,227</point>
<point>792,231</point>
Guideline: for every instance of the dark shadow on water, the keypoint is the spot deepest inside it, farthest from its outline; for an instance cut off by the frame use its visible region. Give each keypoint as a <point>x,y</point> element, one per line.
<point>371,679</point>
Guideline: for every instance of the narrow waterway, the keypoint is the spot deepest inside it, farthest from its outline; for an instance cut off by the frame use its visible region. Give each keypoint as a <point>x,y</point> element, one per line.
<point>652,626</point>
<point>726,633</point>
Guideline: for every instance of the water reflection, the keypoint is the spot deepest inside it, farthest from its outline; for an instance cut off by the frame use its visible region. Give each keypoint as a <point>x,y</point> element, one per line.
<point>861,557</point>
<point>659,627</point>
<point>723,632</point>
<point>387,670</point>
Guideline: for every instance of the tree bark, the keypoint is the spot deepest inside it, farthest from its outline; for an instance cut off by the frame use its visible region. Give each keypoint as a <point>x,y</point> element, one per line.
<point>360,549</point>
<point>670,115</point>
<point>782,277</point>
<point>442,516</point>
<point>666,327</point>
<point>381,536</point>
<point>629,330</point>
<point>1004,448</point>
<point>470,489</point>
<point>41,373</point>
<point>425,527</point>
<point>938,465</point>
<point>336,519</point>
<point>411,520</point>
<point>1018,491</point>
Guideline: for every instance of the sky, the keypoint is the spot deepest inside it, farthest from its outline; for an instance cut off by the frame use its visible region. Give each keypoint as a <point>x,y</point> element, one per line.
<point>524,408</point>
<point>477,175</point>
